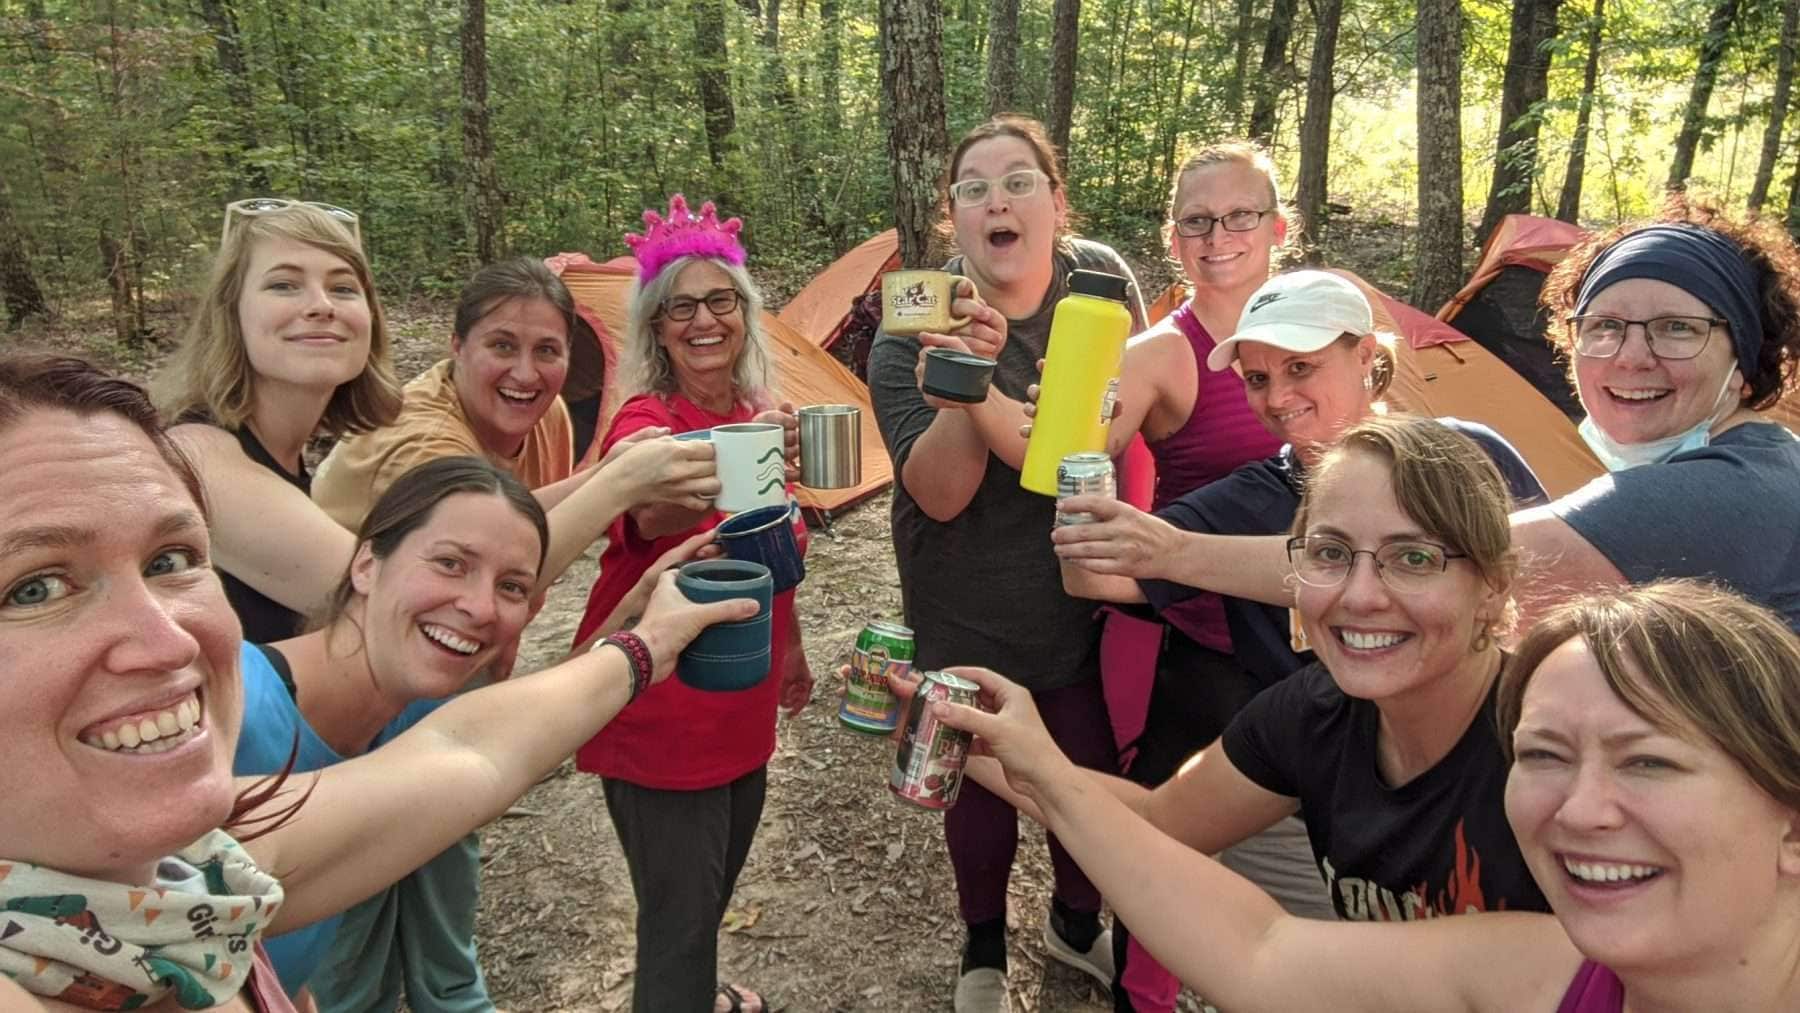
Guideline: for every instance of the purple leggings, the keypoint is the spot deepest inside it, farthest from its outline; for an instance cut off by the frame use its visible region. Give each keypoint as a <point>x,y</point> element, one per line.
<point>982,830</point>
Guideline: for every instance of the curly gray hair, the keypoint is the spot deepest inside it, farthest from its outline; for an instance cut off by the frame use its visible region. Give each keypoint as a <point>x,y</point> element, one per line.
<point>646,367</point>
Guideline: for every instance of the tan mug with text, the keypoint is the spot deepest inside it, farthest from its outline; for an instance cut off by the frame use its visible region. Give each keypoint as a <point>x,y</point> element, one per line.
<point>913,302</point>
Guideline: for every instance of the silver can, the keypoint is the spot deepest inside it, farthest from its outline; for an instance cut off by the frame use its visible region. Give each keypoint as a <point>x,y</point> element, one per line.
<point>1089,473</point>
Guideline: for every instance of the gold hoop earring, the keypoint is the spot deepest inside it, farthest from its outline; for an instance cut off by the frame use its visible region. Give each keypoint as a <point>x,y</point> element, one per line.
<point>1483,640</point>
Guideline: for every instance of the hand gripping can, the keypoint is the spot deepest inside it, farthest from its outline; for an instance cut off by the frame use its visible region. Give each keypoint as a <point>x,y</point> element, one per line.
<point>928,766</point>
<point>883,651</point>
<point>1089,473</point>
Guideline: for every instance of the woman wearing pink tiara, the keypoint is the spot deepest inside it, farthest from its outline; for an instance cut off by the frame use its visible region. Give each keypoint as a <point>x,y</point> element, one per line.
<point>694,358</point>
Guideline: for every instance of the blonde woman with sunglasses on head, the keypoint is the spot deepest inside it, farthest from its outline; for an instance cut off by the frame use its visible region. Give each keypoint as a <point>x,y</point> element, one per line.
<point>288,344</point>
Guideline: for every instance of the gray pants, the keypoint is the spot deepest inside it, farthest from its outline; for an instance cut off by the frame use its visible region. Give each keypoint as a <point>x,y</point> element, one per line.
<point>685,850</point>
<point>417,937</point>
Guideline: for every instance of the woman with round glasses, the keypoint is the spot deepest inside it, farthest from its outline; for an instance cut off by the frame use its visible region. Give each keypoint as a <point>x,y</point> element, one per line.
<point>695,357</point>
<point>977,580</point>
<point>1679,331</point>
<point>1652,737</point>
<point>1386,743</point>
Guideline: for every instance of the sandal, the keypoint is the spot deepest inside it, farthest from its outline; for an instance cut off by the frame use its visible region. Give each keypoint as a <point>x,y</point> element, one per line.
<point>736,997</point>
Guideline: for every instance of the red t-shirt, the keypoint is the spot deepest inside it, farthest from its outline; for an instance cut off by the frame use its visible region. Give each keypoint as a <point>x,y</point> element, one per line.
<point>676,737</point>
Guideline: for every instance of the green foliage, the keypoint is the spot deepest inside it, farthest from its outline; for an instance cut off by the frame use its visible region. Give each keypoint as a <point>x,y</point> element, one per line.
<point>120,121</point>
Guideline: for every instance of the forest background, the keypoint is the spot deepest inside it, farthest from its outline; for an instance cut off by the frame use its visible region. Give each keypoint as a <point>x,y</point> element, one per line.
<point>462,130</point>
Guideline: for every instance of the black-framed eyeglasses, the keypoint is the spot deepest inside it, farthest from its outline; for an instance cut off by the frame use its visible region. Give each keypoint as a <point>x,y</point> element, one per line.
<point>253,206</point>
<point>719,302</point>
<point>1600,337</point>
<point>1243,220</point>
<point>1018,183</point>
<point>1407,567</point>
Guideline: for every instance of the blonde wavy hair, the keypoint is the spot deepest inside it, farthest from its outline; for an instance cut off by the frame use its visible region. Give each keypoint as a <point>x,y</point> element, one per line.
<point>210,373</point>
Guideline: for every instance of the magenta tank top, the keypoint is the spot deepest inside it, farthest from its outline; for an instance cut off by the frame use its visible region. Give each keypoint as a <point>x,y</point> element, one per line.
<point>1594,990</point>
<point>1219,435</point>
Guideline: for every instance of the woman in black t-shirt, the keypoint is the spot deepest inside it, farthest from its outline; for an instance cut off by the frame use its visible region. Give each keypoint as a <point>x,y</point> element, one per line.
<point>1386,745</point>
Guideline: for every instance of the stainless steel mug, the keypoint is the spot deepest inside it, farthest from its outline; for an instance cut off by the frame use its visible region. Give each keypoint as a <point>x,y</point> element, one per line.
<point>830,446</point>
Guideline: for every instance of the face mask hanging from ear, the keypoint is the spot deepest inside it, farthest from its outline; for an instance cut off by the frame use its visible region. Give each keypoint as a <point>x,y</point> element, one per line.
<point>1618,456</point>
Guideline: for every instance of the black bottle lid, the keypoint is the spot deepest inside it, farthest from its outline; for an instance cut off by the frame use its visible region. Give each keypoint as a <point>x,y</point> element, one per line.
<point>1098,283</point>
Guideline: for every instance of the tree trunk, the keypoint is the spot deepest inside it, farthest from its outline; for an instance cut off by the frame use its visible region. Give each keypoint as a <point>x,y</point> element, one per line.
<point>912,99</point>
<point>779,90</point>
<point>481,183</point>
<point>1438,273</point>
<point>118,281</point>
<point>1240,66</point>
<point>1274,75</point>
<point>715,79</point>
<point>1793,206</point>
<point>1527,83</point>
<point>19,285</point>
<point>1568,206</point>
<point>1003,57</point>
<point>1778,104</point>
<point>1693,118</point>
<point>1315,128</point>
<point>1064,42</point>
<point>221,20</point>
<point>831,50</point>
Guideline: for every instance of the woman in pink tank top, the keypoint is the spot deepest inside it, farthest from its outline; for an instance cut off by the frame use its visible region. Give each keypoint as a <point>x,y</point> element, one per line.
<point>1225,221</point>
<point>1654,737</point>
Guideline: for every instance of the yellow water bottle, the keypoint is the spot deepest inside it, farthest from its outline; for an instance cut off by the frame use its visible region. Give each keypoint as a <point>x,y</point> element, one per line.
<point>1081,376</point>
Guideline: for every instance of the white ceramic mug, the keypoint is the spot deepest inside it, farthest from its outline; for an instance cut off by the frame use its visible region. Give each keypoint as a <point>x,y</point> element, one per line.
<point>752,471</point>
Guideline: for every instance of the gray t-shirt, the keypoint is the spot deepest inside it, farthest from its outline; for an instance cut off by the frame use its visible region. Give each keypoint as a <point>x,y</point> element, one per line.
<point>983,588</point>
<point>1728,512</point>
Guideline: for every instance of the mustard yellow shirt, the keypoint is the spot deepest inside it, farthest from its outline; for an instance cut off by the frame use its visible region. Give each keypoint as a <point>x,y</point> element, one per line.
<point>432,425</point>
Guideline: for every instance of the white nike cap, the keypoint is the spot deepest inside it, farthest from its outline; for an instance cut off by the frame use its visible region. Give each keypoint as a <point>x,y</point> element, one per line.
<point>1300,311</point>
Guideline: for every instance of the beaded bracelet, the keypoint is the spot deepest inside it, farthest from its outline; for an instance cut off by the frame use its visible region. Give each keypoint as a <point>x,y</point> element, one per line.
<point>637,655</point>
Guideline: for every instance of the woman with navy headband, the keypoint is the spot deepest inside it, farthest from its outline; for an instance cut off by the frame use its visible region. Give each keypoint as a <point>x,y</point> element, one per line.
<point>1679,332</point>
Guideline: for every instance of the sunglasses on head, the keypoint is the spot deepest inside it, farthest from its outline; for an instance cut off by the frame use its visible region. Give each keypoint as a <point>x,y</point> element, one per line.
<point>254,206</point>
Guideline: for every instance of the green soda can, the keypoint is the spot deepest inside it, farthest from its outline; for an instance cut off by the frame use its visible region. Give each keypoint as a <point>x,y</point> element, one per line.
<point>883,650</point>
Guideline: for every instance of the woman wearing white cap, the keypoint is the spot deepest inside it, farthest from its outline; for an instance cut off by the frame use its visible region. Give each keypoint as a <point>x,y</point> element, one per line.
<point>1313,366</point>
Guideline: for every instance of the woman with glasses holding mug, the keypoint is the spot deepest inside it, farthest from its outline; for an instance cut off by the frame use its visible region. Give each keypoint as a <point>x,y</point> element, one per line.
<point>685,770</point>
<point>977,578</point>
<point>1679,331</point>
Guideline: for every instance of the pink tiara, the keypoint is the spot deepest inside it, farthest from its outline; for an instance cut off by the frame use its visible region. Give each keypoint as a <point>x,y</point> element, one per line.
<point>684,235</point>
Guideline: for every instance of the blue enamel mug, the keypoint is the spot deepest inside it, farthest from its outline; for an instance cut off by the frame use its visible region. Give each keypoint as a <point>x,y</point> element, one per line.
<point>765,535</point>
<point>727,656</point>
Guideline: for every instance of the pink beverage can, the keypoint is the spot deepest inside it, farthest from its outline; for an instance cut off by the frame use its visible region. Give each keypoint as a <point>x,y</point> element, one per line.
<point>928,766</point>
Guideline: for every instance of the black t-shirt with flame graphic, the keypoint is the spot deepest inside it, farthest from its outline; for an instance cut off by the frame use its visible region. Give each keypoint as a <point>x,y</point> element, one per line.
<point>1437,845</point>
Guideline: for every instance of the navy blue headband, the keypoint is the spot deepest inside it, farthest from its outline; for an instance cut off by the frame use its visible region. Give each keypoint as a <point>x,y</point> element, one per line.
<point>1697,260</point>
